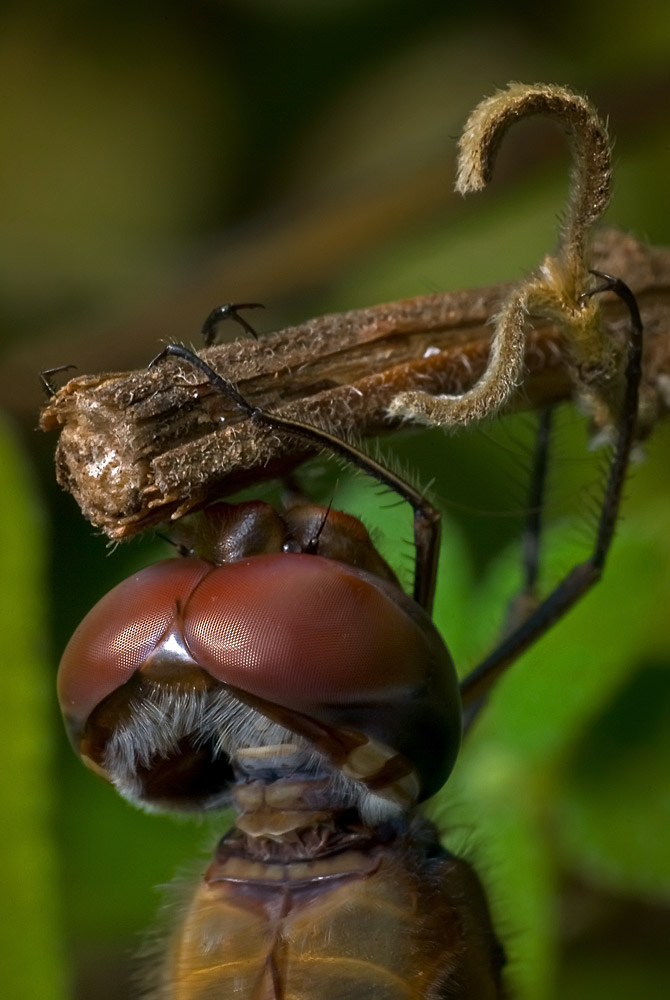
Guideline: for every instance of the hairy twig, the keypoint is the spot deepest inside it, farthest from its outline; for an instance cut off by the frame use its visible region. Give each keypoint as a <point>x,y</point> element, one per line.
<point>556,290</point>
<point>137,448</point>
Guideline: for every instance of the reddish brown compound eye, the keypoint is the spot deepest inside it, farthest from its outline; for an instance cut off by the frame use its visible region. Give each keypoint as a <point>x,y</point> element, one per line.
<point>302,631</point>
<point>121,632</point>
<point>299,632</point>
<point>337,644</point>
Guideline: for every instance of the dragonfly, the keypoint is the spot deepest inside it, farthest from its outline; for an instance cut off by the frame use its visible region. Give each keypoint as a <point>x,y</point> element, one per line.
<point>277,666</point>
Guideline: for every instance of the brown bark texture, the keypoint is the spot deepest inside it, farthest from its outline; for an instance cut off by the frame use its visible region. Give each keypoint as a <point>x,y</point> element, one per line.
<point>137,448</point>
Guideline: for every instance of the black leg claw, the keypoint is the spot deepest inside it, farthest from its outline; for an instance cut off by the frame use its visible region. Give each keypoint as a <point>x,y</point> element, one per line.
<point>229,311</point>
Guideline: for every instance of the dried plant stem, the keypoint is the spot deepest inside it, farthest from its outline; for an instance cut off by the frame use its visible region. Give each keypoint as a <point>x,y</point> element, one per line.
<point>137,448</point>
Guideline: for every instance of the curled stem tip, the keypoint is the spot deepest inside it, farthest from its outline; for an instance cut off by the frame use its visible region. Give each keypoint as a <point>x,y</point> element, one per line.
<point>591,175</point>
<point>555,289</point>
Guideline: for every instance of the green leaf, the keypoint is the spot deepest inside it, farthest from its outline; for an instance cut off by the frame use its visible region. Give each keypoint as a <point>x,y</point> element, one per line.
<point>30,944</point>
<point>615,810</point>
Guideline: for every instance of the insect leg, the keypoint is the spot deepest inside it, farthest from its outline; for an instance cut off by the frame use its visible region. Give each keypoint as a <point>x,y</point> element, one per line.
<point>229,311</point>
<point>583,576</point>
<point>426,517</point>
<point>45,377</point>
<point>526,601</point>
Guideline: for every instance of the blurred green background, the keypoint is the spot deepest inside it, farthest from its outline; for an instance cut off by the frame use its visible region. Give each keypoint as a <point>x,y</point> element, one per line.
<point>161,158</point>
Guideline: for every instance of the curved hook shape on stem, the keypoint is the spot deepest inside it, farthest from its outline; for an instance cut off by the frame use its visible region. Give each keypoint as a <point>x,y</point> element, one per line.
<point>556,290</point>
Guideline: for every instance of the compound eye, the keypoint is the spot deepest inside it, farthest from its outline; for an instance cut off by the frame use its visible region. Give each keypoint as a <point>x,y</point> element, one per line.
<point>150,676</point>
<point>335,644</point>
<point>299,630</point>
<point>120,634</point>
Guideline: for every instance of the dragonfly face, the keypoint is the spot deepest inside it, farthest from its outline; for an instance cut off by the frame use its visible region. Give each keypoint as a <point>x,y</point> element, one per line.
<point>280,667</point>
